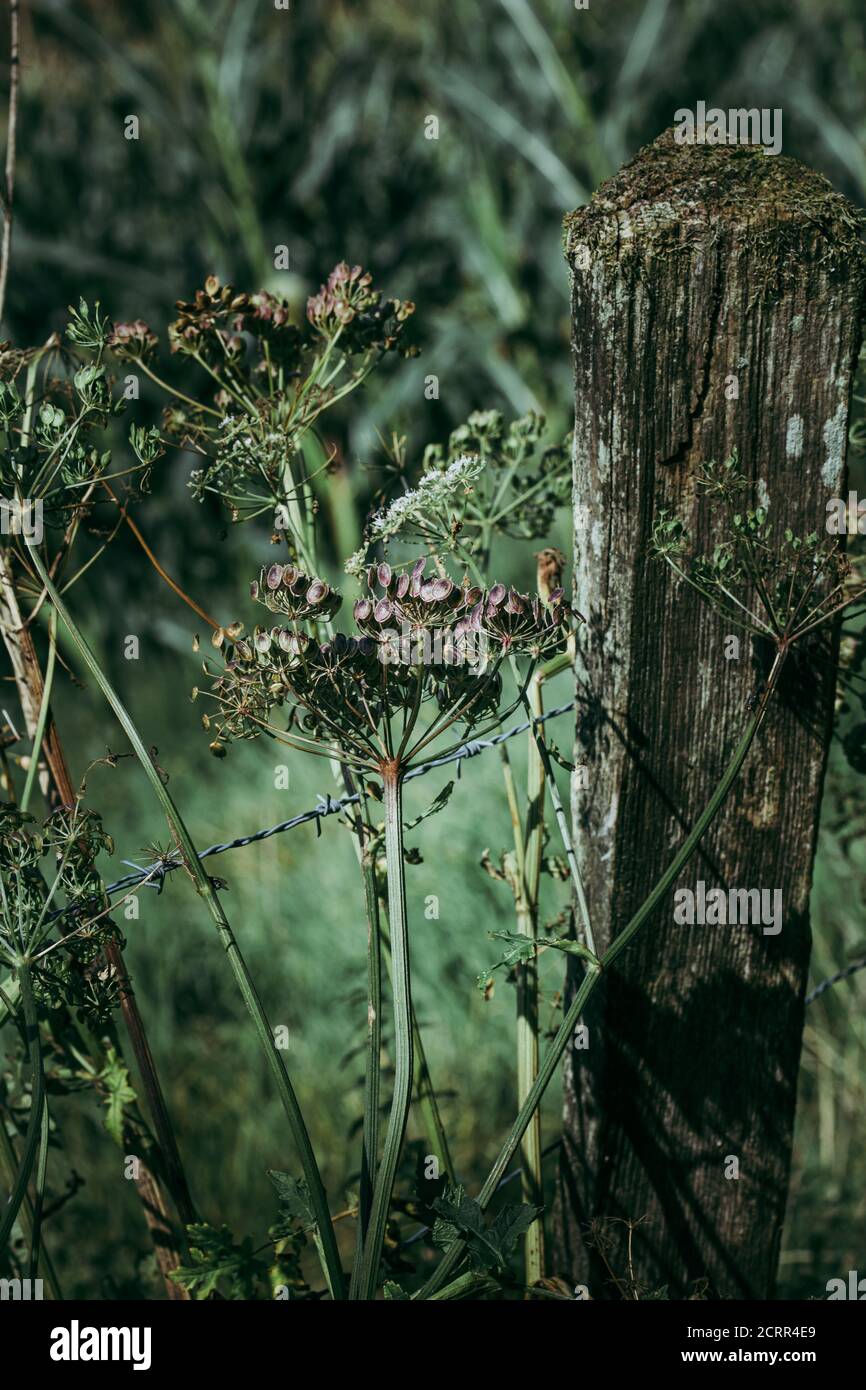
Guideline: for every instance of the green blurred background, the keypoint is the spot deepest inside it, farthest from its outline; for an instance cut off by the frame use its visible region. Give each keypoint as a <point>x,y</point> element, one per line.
<point>308,128</point>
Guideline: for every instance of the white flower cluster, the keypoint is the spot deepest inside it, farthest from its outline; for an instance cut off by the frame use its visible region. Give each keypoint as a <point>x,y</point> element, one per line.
<point>435,489</point>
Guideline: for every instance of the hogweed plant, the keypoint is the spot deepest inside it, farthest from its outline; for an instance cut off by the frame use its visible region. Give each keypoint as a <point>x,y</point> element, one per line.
<point>425,660</point>
<point>496,480</point>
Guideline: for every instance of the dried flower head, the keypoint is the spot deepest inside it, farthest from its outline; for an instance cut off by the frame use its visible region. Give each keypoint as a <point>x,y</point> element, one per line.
<point>132,340</point>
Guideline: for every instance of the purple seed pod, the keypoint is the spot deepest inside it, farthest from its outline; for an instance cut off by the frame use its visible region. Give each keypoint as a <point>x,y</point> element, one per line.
<point>363,610</point>
<point>384,575</point>
<point>471,596</point>
<point>495,596</point>
<point>383,610</point>
<point>476,617</point>
<point>254,588</point>
<point>442,589</point>
<point>290,574</point>
<point>317,592</point>
<point>284,639</point>
<point>428,590</point>
<point>274,576</point>
<point>262,639</point>
<point>556,597</point>
<point>417,576</point>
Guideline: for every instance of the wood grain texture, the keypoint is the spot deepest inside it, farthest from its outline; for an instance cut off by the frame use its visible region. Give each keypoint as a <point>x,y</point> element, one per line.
<point>693,265</point>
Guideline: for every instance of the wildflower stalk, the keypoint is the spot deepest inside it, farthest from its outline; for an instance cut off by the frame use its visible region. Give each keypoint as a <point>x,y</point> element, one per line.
<point>42,719</point>
<point>373,1067</point>
<point>37,1102</point>
<point>392,784</point>
<point>329,1253</point>
<point>526,904</point>
<point>594,970</point>
<point>26,1214</point>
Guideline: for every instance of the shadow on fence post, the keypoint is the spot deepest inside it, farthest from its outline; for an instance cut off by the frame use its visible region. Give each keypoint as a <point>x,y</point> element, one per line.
<point>717,301</point>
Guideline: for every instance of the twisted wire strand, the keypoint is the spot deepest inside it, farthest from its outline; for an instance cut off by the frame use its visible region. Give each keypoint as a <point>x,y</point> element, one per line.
<point>327,805</point>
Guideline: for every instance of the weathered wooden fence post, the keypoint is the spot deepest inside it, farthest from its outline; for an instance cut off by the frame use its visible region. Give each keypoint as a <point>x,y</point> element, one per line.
<point>717,301</point>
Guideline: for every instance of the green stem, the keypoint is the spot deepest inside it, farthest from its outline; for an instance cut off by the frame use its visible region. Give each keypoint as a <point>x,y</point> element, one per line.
<point>204,886</point>
<point>594,971</point>
<point>373,1068</point>
<point>41,1170</point>
<point>393,797</point>
<point>9,1168</point>
<point>39,734</point>
<point>528,888</point>
<point>37,1098</point>
<point>533,711</point>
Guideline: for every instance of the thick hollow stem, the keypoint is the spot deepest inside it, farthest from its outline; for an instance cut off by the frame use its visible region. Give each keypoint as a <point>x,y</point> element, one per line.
<point>372,1071</point>
<point>403,1041</point>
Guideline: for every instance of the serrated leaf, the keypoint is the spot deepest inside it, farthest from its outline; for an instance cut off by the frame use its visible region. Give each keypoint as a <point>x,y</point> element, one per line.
<point>293,1195</point>
<point>218,1265</point>
<point>487,1246</point>
<point>114,1077</point>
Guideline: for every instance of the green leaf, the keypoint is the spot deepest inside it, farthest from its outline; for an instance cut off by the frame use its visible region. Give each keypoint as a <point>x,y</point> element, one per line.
<point>487,1246</point>
<point>218,1265</point>
<point>114,1077</point>
<point>393,1292</point>
<point>296,1207</point>
<point>439,804</point>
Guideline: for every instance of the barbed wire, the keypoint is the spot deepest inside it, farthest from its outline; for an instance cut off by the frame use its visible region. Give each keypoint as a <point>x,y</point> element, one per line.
<point>840,975</point>
<point>154,875</point>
